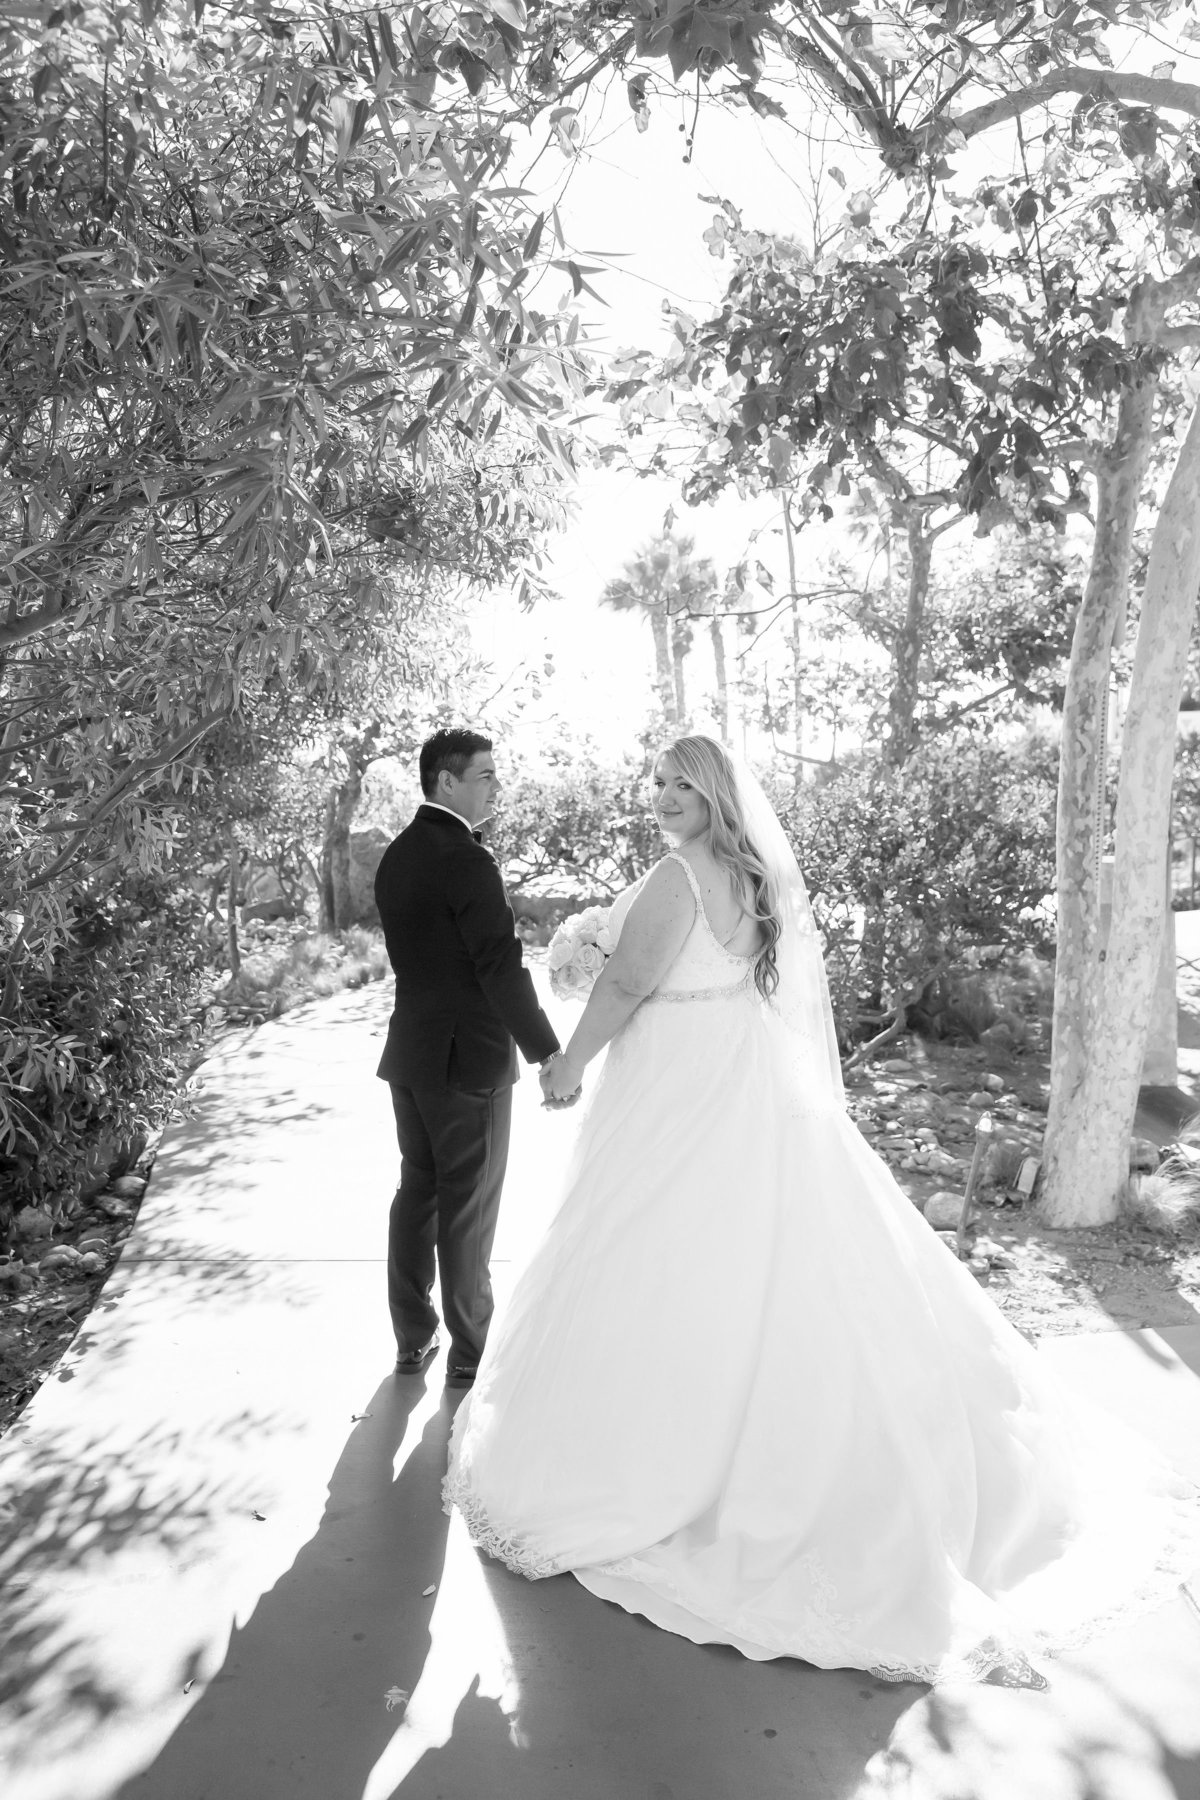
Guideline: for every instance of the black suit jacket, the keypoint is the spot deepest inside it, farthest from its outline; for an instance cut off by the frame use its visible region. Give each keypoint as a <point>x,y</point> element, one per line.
<point>462,991</point>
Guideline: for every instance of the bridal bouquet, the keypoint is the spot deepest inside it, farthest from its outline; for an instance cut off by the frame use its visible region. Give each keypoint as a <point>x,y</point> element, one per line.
<point>578,951</point>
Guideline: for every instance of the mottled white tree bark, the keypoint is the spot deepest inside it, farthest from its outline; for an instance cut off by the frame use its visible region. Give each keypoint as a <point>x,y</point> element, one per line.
<point>1103,993</point>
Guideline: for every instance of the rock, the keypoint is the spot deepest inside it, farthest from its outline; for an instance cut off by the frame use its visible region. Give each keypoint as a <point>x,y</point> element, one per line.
<point>31,1224</point>
<point>264,911</point>
<point>940,1162</point>
<point>92,1263</point>
<point>366,853</point>
<point>999,1037</point>
<point>116,1210</point>
<point>1002,1161</point>
<point>927,1135</point>
<point>113,1155</point>
<point>993,1083</point>
<point>59,1256</point>
<point>996,1255</point>
<point>93,1240</point>
<point>1143,1156</point>
<point>979,1099</point>
<point>129,1187</point>
<point>950,1239</point>
<point>943,1210</point>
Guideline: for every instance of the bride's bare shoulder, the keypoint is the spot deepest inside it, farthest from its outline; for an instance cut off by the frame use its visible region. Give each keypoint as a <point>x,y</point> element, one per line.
<point>666,887</point>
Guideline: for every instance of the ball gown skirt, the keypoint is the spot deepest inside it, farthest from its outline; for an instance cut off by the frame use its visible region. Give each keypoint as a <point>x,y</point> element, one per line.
<point>743,1390</point>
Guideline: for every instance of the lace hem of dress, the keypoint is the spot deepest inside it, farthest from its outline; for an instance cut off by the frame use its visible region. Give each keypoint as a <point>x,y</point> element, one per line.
<point>508,1547</point>
<point>1002,1662</point>
<point>829,1639</point>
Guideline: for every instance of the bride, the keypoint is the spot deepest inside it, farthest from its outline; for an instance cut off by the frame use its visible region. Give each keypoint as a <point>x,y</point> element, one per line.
<point>742,1388</point>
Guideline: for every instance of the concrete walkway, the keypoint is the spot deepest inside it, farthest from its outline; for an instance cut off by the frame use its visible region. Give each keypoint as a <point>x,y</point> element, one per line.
<point>223,1548</point>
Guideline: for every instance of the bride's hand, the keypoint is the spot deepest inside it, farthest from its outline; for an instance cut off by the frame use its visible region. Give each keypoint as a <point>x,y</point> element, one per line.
<point>562,1081</point>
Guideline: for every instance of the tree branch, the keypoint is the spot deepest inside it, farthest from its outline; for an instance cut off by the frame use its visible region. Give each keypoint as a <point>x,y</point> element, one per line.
<point>870,115</point>
<point>135,773</point>
<point>19,629</point>
<point>1109,84</point>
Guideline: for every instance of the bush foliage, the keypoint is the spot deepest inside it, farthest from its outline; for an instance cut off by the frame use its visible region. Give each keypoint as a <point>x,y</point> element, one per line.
<point>105,1027</point>
<point>914,870</point>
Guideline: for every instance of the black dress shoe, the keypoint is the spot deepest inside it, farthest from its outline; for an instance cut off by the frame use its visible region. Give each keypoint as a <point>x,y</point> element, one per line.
<point>411,1362</point>
<point>457,1375</point>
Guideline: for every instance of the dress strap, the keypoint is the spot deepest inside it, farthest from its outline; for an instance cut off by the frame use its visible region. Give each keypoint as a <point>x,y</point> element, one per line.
<point>693,879</point>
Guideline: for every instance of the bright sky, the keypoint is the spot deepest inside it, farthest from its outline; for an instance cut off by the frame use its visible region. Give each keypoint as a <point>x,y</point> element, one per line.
<point>632,202</point>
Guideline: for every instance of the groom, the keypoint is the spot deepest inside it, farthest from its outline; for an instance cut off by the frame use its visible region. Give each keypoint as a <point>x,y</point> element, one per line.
<point>462,997</point>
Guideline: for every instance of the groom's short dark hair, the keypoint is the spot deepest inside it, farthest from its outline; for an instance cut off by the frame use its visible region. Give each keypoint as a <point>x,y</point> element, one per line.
<point>451,750</point>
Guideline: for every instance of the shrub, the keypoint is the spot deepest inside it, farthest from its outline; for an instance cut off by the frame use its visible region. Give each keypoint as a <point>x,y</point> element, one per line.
<point>914,872</point>
<point>579,826</point>
<point>282,975</point>
<point>94,1042</point>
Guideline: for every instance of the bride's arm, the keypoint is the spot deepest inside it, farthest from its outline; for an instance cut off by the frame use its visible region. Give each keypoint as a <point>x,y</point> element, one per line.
<point>651,938</point>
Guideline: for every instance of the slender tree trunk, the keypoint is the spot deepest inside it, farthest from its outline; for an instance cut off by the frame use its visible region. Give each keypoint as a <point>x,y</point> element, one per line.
<point>681,641</point>
<point>901,730</point>
<point>662,660</point>
<point>231,923</point>
<point>789,538</point>
<point>327,921</point>
<point>906,647</point>
<point>798,672</point>
<point>1103,993</point>
<point>339,817</point>
<point>314,875</point>
<point>718,643</point>
<point>340,807</point>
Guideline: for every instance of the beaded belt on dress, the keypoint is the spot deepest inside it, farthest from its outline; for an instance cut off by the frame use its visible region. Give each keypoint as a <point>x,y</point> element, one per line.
<point>712,993</point>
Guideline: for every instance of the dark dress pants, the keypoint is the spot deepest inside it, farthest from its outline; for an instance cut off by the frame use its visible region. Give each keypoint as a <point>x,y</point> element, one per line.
<point>453,1151</point>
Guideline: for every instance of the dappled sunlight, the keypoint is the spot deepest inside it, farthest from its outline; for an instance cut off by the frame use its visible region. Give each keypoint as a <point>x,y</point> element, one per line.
<point>95,1523</point>
<point>1083,1740</point>
<point>468,1654</point>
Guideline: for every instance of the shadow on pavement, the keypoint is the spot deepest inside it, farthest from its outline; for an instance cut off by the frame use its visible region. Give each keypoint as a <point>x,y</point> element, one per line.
<point>298,1705</point>
<point>534,1690</point>
<point>81,1505</point>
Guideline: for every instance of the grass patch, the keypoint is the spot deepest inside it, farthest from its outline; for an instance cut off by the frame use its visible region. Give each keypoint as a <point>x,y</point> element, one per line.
<point>278,975</point>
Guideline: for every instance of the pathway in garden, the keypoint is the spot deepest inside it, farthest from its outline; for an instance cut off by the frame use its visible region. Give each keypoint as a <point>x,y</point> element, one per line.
<point>226,1552</point>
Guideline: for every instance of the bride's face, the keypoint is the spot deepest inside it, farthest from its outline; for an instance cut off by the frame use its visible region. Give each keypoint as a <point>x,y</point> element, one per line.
<point>681,812</point>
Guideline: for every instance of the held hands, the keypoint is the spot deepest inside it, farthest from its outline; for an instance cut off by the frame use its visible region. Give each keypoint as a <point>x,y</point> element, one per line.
<point>561,1081</point>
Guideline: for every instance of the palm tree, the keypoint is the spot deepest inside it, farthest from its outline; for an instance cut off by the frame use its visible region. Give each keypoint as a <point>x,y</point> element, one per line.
<point>670,586</point>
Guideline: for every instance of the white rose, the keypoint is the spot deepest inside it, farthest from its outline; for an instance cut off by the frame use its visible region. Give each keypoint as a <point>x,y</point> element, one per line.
<point>567,983</point>
<point>590,960</point>
<point>561,950</point>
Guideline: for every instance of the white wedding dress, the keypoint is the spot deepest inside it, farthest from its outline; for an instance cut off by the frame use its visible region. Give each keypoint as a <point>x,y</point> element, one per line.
<point>744,1390</point>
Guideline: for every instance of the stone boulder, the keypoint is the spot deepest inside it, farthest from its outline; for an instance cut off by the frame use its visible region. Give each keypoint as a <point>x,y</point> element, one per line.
<point>366,853</point>
<point>943,1210</point>
<point>1144,1156</point>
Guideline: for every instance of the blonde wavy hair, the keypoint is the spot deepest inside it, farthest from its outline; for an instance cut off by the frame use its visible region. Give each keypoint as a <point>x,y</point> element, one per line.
<point>710,769</point>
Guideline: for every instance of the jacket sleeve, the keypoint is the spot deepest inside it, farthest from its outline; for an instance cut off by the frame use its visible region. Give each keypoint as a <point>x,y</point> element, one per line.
<point>488,929</point>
